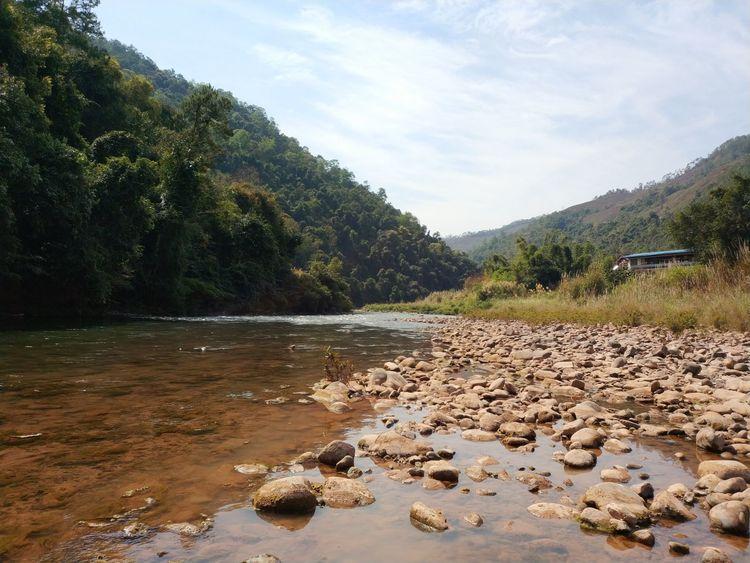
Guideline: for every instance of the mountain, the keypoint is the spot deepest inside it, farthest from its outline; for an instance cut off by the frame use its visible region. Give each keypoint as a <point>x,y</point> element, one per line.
<point>620,221</point>
<point>386,255</point>
<point>127,188</point>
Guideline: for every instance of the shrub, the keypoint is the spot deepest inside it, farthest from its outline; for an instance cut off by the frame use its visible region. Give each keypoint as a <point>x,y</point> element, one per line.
<point>336,368</point>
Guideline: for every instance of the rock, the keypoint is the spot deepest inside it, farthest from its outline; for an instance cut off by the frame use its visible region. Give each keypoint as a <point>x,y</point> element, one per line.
<point>354,473</point>
<point>337,407</point>
<point>588,438</point>
<point>425,366</point>
<point>677,548</point>
<point>136,530</point>
<point>251,469</point>
<point>391,443</point>
<point>428,519</point>
<point>667,505</point>
<point>262,558</point>
<point>517,429</point>
<point>724,469</point>
<point>615,446</point>
<point>616,474</point>
<point>644,490</point>
<point>188,529</point>
<point>692,368</point>
<point>551,510</point>
<point>476,435</point>
<point>287,495</point>
<point>476,473</point>
<point>345,464</point>
<point>602,494</point>
<point>714,555</point>
<point>490,422</point>
<point>334,452</point>
<point>579,459</point>
<point>586,409</point>
<point>340,492</point>
<point>731,517</point>
<point>709,439</point>
<point>598,520</point>
<point>645,537</point>
<point>474,519</point>
<point>441,470</point>
<point>438,418</point>
<point>733,485</point>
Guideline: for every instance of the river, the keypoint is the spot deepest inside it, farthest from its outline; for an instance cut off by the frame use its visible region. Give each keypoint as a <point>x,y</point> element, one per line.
<point>104,424</point>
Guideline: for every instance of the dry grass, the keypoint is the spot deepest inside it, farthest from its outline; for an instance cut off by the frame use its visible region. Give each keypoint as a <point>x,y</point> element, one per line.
<point>714,295</point>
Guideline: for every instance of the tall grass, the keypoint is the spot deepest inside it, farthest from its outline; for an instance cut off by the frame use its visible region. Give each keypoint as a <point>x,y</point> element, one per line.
<point>715,295</point>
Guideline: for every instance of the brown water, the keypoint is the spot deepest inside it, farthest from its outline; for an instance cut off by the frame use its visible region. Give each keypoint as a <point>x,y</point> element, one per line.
<point>173,406</point>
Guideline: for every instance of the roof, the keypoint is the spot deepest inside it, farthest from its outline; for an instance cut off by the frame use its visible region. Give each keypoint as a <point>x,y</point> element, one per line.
<point>678,252</point>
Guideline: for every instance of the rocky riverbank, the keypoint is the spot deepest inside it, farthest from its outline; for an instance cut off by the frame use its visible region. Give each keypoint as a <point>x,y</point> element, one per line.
<point>589,390</point>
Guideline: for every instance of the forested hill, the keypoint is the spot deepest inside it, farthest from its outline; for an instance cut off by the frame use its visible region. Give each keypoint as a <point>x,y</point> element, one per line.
<point>620,221</point>
<point>120,191</point>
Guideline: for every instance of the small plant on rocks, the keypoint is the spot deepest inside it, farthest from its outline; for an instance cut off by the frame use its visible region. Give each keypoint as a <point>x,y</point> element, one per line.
<point>336,368</point>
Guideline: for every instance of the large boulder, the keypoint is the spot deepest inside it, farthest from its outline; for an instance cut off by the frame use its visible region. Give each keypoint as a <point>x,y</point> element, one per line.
<point>393,444</point>
<point>289,495</point>
<point>334,452</point>
<point>603,494</point>
<point>340,492</point>
<point>724,469</point>
<point>731,517</point>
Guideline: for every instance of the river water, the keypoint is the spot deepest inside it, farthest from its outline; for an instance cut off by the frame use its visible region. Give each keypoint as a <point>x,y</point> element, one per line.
<point>96,419</point>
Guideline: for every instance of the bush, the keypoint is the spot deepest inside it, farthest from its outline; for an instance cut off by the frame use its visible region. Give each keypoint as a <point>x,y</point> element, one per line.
<point>335,368</point>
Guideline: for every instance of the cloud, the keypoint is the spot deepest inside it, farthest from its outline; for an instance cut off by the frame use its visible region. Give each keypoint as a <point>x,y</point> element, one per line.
<point>474,114</point>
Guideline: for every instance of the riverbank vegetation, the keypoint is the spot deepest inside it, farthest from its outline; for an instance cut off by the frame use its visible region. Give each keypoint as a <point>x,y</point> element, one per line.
<point>556,282</point>
<point>116,196</point>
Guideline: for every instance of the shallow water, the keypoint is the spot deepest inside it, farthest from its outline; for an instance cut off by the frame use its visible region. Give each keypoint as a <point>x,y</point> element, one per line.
<point>142,404</point>
<point>172,405</point>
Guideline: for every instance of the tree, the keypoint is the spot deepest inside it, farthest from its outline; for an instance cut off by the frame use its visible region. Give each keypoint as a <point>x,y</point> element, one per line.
<point>718,224</point>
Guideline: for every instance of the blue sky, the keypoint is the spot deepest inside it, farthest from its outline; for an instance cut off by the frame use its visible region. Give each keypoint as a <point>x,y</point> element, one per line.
<point>471,114</point>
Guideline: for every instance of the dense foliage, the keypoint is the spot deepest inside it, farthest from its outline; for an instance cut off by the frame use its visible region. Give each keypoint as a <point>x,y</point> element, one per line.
<point>117,196</point>
<point>621,221</point>
<point>542,265</point>
<point>718,224</point>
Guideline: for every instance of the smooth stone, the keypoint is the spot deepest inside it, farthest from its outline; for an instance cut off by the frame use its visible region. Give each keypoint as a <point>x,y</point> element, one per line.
<point>441,471</point>
<point>731,517</point>
<point>334,452</point>
<point>551,510</point>
<point>285,495</point>
<point>431,519</point>
<point>579,459</point>
<point>340,492</point>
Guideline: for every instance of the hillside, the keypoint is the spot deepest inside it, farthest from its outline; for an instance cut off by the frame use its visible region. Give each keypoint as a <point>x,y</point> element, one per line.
<point>620,221</point>
<point>127,188</point>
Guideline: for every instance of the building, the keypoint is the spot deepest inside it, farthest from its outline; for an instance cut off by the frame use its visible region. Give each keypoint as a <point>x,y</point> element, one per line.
<point>655,260</point>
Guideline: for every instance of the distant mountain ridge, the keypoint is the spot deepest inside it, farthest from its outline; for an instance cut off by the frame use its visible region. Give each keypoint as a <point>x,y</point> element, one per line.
<point>619,221</point>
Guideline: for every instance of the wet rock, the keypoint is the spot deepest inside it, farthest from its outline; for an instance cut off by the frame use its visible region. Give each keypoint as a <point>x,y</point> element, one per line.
<point>596,519</point>
<point>616,474</point>
<point>354,473</point>
<point>644,490</point>
<point>714,555</point>
<point>474,519</point>
<point>338,407</point>
<point>441,470</point>
<point>345,464</point>
<point>136,530</point>
<point>476,473</point>
<point>391,443</point>
<point>615,446</point>
<point>588,438</point>
<point>602,494</point>
<point>340,492</point>
<point>551,510</point>
<point>262,558</point>
<point>251,469</point>
<point>334,452</point>
<point>586,409</point>
<point>733,485</point>
<point>428,519</point>
<point>517,429</point>
<point>287,495</point>
<point>579,459</point>
<point>476,435</point>
<point>724,469</point>
<point>709,439</point>
<point>189,529</point>
<point>731,517</point>
<point>490,422</point>
<point>677,548</point>
<point>645,537</point>
<point>667,505</point>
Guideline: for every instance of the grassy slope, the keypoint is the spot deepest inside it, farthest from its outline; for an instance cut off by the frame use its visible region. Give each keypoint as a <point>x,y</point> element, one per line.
<point>621,220</point>
<point>715,295</point>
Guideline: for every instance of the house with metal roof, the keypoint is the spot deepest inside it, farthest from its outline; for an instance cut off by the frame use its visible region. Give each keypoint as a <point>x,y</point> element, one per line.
<point>655,260</point>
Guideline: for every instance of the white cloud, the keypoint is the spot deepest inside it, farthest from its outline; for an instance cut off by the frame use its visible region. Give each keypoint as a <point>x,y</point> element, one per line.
<point>472,114</point>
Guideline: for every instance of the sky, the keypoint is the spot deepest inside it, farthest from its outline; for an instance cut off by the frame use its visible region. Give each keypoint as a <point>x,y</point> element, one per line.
<point>471,114</point>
